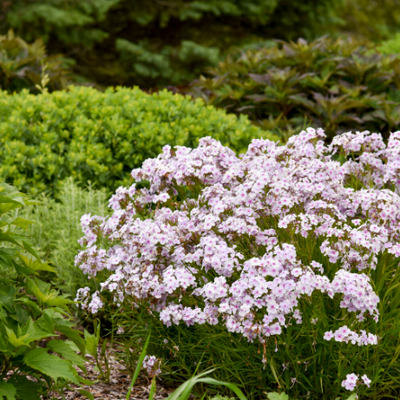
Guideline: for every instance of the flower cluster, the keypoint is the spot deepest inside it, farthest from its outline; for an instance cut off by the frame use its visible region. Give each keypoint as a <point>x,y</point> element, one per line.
<point>216,238</point>
<point>344,334</point>
<point>352,380</point>
<point>152,365</point>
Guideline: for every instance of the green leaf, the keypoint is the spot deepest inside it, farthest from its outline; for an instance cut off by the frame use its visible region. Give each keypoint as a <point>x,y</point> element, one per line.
<point>50,365</point>
<point>71,334</point>
<point>26,389</point>
<point>86,393</point>
<point>152,389</point>
<point>21,222</point>
<point>35,265</point>
<point>30,249</point>
<point>92,343</point>
<point>138,366</point>
<point>16,341</point>
<point>277,396</point>
<point>34,332</point>
<point>21,270</point>
<point>63,349</point>
<point>7,390</point>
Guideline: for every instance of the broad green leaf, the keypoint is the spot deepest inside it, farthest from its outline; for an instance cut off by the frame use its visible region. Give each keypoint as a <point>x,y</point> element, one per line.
<point>21,270</point>
<point>91,344</point>
<point>14,339</point>
<point>26,389</point>
<point>5,199</point>
<point>7,390</point>
<point>34,332</point>
<point>50,365</point>
<point>35,265</point>
<point>21,314</point>
<point>63,349</point>
<point>44,294</point>
<point>71,334</point>
<point>34,308</point>
<point>46,323</point>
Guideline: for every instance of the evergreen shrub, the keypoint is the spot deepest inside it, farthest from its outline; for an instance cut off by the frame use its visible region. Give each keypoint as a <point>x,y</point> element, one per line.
<point>340,84</point>
<point>101,137</point>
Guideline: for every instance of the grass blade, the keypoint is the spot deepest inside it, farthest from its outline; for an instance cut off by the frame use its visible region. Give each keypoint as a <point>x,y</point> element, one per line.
<point>138,366</point>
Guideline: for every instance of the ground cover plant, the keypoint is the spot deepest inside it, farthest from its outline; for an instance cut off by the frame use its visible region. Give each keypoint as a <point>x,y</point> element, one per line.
<point>288,254</point>
<point>339,84</point>
<point>34,362</point>
<point>101,137</point>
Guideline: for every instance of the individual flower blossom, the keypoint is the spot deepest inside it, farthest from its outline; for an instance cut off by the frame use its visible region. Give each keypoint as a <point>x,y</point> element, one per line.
<point>350,382</point>
<point>366,380</point>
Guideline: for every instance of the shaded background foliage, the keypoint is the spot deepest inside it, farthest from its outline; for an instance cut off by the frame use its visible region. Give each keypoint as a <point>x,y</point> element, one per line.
<point>339,85</point>
<point>158,43</point>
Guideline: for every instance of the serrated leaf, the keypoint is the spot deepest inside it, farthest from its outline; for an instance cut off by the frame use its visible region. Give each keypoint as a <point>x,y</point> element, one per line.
<point>35,265</point>
<point>16,341</point>
<point>72,335</point>
<point>50,365</point>
<point>26,389</point>
<point>34,332</point>
<point>63,349</point>
<point>21,270</point>
<point>91,344</point>
<point>46,323</point>
<point>34,308</point>
<point>7,390</point>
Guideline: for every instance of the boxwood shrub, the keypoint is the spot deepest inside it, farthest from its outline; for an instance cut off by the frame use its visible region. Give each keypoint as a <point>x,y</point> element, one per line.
<point>338,84</point>
<point>101,137</point>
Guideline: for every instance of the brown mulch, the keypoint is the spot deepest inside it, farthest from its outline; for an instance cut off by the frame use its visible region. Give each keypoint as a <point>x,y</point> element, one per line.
<point>118,386</point>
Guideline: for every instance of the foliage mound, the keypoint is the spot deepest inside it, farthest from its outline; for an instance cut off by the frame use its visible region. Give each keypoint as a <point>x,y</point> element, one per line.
<point>32,316</point>
<point>336,84</point>
<point>157,43</point>
<point>101,137</point>
<point>280,266</point>
<point>23,66</point>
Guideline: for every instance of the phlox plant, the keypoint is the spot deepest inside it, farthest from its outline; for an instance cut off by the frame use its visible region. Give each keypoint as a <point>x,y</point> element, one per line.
<point>280,264</point>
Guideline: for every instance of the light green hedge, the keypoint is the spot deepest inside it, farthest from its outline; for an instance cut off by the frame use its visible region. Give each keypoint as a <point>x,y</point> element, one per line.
<point>101,137</point>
